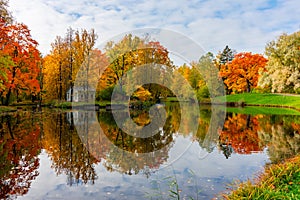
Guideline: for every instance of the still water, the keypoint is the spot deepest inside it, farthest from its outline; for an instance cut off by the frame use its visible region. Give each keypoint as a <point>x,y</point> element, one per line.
<point>76,154</point>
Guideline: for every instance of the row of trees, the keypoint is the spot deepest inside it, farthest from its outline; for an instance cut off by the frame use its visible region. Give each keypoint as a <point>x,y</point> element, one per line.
<point>24,74</point>
<point>240,72</point>
<point>248,72</point>
<point>244,72</point>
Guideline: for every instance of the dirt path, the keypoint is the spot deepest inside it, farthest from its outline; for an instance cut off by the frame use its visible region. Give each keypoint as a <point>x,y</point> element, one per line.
<point>287,94</point>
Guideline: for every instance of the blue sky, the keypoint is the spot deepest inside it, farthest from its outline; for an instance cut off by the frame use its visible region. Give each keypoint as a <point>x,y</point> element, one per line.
<point>243,25</point>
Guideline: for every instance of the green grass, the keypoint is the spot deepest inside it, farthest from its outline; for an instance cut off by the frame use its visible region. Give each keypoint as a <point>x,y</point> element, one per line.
<point>256,110</point>
<point>102,103</point>
<point>264,99</point>
<point>279,181</point>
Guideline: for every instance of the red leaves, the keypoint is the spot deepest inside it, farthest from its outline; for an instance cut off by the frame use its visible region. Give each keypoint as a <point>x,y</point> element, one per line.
<point>240,131</point>
<point>241,75</point>
<point>17,43</point>
<point>20,142</point>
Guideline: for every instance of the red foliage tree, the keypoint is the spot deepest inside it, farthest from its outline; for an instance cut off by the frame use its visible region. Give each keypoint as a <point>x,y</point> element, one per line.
<point>22,76</point>
<point>241,75</point>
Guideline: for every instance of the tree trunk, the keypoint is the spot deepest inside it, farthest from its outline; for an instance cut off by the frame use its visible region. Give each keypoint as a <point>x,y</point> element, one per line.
<point>7,97</point>
<point>10,90</point>
<point>248,121</point>
<point>248,86</point>
<point>60,81</point>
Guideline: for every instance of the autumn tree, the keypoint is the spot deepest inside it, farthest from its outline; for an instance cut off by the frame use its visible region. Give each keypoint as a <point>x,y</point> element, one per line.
<point>5,63</point>
<point>21,61</point>
<point>283,67</point>
<point>87,77</point>
<point>241,75</point>
<point>185,77</point>
<point>56,74</point>
<point>132,52</point>
<point>202,76</point>
<point>181,80</point>
<point>121,57</point>
<point>67,56</point>
<point>209,76</point>
<point>161,68</point>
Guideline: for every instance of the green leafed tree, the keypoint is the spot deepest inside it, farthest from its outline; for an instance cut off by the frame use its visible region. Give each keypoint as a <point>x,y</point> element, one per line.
<point>5,62</point>
<point>283,67</point>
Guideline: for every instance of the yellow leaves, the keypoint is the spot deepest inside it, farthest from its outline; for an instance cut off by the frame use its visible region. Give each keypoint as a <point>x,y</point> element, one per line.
<point>142,119</point>
<point>67,56</point>
<point>142,94</point>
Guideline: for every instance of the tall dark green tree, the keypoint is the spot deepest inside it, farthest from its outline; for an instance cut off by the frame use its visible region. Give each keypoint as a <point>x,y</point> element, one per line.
<point>222,60</point>
<point>226,56</point>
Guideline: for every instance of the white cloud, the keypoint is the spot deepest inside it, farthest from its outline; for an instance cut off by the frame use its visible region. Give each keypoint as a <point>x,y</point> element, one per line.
<point>243,25</point>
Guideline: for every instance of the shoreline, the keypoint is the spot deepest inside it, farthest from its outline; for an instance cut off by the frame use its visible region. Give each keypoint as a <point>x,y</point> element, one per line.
<point>259,100</point>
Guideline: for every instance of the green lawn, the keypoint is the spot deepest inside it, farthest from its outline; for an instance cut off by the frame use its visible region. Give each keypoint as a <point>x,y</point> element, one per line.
<point>292,101</point>
<point>256,110</point>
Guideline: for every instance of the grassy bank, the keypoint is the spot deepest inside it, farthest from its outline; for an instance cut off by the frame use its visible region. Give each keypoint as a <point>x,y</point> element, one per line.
<point>256,110</point>
<point>279,181</point>
<point>278,100</point>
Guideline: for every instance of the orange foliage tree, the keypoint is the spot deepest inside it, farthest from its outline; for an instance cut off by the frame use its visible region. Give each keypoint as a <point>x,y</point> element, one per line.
<point>240,134</point>
<point>22,74</point>
<point>241,75</point>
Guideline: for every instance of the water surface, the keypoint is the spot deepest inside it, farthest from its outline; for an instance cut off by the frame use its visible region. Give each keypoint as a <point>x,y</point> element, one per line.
<point>57,154</point>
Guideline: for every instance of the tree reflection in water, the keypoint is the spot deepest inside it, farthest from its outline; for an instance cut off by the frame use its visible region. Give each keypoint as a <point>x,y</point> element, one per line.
<point>240,135</point>
<point>68,154</point>
<point>19,147</point>
<point>246,134</point>
<point>75,145</point>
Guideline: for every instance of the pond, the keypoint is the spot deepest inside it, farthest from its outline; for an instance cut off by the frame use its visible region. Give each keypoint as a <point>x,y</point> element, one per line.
<point>55,154</point>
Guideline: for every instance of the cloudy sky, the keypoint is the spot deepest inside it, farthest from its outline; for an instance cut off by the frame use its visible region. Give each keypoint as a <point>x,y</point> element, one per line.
<point>244,25</point>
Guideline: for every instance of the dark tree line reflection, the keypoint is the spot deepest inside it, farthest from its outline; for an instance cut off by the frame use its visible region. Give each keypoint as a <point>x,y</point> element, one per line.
<point>75,144</point>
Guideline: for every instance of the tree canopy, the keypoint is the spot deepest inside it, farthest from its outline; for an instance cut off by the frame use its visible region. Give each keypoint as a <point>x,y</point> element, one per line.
<point>283,67</point>
<point>20,61</point>
<point>242,73</point>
